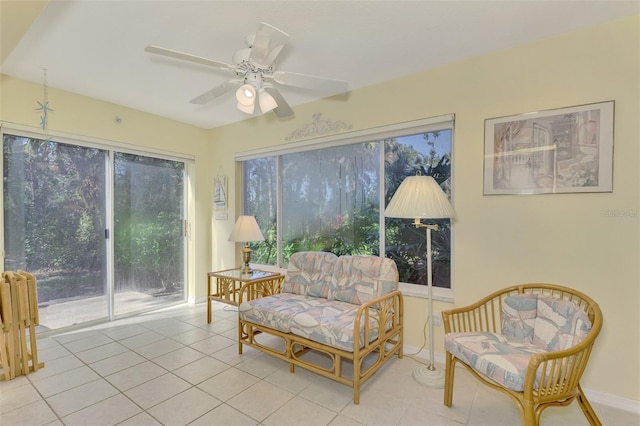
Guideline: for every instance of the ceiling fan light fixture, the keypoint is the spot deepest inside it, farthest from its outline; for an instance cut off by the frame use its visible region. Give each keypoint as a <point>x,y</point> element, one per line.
<point>246,95</point>
<point>266,101</point>
<point>247,109</point>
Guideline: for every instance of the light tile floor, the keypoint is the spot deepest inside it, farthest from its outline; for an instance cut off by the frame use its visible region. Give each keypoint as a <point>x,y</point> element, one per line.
<point>172,368</point>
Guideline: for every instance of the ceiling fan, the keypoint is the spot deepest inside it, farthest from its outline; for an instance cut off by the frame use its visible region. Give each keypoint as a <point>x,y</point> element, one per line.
<point>255,74</point>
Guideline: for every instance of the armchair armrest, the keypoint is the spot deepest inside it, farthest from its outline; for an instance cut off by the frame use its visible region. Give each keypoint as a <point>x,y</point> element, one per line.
<point>386,312</point>
<point>556,374</point>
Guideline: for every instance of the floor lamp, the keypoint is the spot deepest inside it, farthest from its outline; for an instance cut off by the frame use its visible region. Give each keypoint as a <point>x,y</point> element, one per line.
<point>420,197</point>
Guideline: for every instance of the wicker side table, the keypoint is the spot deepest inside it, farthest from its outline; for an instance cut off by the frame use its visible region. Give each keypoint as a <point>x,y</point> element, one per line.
<point>227,283</point>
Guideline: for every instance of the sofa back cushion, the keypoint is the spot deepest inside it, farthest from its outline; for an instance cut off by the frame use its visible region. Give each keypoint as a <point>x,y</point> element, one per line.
<point>359,279</point>
<point>559,324</point>
<point>310,273</point>
<point>519,317</point>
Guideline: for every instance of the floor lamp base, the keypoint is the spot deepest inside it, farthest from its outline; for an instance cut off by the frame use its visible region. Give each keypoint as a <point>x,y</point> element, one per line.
<point>429,376</point>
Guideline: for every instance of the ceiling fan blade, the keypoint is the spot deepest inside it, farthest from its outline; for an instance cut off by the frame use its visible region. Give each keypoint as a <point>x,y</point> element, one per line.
<point>267,45</point>
<point>283,109</point>
<point>321,84</point>
<point>216,91</point>
<point>187,57</point>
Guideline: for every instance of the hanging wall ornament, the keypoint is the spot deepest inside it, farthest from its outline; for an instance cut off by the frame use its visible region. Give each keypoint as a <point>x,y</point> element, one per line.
<point>44,107</point>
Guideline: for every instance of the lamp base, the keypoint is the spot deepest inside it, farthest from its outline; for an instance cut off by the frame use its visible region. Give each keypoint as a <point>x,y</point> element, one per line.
<point>429,376</point>
<point>246,258</point>
<point>246,270</point>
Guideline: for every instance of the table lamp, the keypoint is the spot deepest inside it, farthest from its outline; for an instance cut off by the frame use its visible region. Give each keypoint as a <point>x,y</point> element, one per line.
<point>245,230</point>
<point>420,197</point>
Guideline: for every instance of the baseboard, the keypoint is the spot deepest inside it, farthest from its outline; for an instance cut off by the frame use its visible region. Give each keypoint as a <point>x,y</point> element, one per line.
<point>602,398</point>
<point>613,401</point>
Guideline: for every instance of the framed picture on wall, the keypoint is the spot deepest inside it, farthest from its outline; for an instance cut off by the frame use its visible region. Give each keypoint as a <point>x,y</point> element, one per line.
<point>555,151</point>
<point>220,197</point>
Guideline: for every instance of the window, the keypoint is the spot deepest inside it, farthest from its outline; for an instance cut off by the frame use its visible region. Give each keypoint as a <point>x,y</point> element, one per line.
<point>330,196</point>
<point>330,200</point>
<point>430,153</point>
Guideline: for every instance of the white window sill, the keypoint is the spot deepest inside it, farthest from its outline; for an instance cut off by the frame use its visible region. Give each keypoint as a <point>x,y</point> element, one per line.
<point>414,290</point>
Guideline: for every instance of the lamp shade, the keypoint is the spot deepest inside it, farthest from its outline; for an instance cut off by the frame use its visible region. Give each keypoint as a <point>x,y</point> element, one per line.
<point>247,109</point>
<point>266,101</point>
<point>246,95</point>
<point>419,197</point>
<point>246,229</point>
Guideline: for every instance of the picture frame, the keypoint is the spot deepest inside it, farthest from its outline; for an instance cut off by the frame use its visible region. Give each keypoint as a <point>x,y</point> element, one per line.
<point>565,150</point>
<point>220,197</point>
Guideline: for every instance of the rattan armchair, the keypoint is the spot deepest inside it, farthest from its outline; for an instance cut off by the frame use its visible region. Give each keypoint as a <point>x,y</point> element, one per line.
<point>552,378</point>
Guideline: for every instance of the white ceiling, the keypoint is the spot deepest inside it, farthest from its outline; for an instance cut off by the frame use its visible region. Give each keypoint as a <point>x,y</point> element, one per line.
<point>96,48</point>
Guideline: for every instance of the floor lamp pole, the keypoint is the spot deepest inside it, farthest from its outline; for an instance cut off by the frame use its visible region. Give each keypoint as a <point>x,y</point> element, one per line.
<point>428,375</point>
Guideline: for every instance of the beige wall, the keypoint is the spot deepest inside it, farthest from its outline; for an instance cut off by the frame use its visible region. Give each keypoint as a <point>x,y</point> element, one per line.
<point>79,116</point>
<point>501,240</point>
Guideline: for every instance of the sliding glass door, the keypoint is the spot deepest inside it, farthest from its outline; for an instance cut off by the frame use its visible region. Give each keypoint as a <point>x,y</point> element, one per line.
<point>148,232</point>
<point>54,224</point>
<point>102,231</point>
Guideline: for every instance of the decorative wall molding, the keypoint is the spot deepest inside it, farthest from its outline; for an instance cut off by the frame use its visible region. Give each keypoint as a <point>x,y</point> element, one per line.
<point>318,127</point>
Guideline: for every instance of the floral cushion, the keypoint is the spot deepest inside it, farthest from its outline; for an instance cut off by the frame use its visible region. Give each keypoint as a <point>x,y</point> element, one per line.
<point>519,317</point>
<point>277,311</point>
<point>359,279</point>
<point>493,356</point>
<point>560,324</point>
<point>332,324</point>
<point>309,273</point>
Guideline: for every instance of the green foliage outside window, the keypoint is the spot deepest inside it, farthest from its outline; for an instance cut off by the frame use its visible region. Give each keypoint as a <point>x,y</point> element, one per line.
<point>55,218</point>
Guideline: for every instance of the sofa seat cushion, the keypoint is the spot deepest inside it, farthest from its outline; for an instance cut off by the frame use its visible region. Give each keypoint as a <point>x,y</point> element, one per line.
<point>277,311</point>
<point>492,355</point>
<point>309,273</point>
<point>332,324</point>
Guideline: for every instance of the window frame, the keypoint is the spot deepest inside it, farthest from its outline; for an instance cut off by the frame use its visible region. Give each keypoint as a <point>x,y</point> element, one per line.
<point>427,125</point>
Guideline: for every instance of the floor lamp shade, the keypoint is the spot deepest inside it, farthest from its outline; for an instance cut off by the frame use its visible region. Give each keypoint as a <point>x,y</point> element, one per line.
<point>420,197</point>
<point>245,230</point>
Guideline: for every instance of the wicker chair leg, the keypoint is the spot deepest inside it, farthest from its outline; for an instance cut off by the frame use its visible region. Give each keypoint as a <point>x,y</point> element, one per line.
<point>448,380</point>
<point>529,415</point>
<point>588,411</point>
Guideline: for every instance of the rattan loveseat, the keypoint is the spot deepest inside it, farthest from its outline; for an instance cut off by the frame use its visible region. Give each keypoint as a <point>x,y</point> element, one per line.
<point>529,341</point>
<point>347,308</point>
